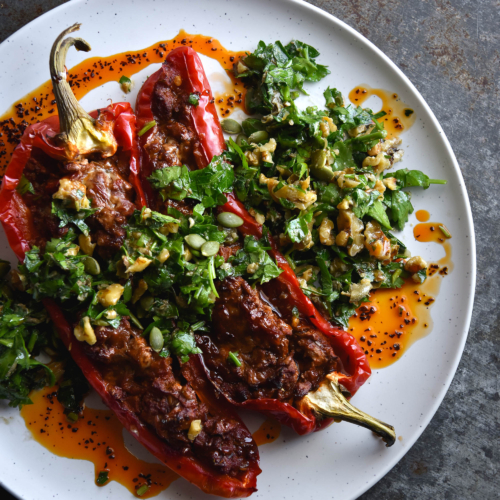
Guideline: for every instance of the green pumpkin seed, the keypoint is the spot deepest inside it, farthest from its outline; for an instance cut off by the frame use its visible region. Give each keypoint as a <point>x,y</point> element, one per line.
<point>318,166</point>
<point>147,302</point>
<point>230,126</point>
<point>241,138</point>
<point>91,266</point>
<point>156,339</point>
<point>228,219</point>
<point>100,322</point>
<point>143,489</point>
<point>196,253</point>
<point>195,241</point>
<point>258,137</point>
<point>210,248</point>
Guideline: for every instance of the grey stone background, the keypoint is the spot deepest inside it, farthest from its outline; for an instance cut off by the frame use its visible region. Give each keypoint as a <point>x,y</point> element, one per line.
<point>450,50</point>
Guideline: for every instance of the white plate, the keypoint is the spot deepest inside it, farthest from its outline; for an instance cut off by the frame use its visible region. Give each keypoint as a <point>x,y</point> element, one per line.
<point>343,461</point>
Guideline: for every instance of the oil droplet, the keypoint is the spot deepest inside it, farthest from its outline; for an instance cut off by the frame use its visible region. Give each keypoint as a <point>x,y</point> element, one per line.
<point>397,118</point>
<point>98,438</point>
<point>422,215</point>
<point>268,432</point>
<point>96,71</point>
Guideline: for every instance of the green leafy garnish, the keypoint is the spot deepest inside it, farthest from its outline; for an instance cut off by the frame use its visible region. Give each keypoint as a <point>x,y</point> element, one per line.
<point>68,216</point>
<point>194,99</point>
<point>102,478</point>
<point>146,127</point>
<point>25,186</point>
<point>233,357</point>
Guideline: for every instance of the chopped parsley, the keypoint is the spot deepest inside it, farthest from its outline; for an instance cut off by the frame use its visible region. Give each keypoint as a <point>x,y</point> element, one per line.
<point>194,99</point>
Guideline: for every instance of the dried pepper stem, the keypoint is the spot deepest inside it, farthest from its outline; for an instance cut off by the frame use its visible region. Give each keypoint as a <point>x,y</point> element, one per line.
<point>329,401</point>
<point>80,134</point>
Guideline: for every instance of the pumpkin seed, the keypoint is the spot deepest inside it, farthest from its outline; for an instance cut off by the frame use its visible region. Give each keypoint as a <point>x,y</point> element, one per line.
<point>156,340</point>
<point>228,219</point>
<point>241,138</point>
<point>210,248</point>
<point>91,266</point>
<point>258,137</point>
<point>230,126</point>
<point>143,489</point>
<point>147,302</point>
<point>318,166</point>
<point>195,241</point>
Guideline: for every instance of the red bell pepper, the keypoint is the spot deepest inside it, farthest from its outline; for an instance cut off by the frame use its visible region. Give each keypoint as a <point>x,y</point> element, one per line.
<point>118,123</point>
<point>203,119</point>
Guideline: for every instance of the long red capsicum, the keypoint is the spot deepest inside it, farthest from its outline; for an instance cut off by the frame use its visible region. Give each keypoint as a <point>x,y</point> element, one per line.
<point>117,124</point>
<point>204,120</point>
<point>14,214</point>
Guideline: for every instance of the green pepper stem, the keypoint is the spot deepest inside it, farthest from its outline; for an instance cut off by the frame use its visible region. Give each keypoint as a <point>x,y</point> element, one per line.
<point>329,401</point>
<point>79,133</point>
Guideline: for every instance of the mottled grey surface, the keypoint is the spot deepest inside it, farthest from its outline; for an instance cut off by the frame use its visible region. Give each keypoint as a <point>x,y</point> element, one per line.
<point>450,50</point>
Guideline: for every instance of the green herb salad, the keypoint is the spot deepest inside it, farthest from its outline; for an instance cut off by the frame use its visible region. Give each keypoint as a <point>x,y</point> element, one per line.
<point>318,179</point>
<point>318,182</point>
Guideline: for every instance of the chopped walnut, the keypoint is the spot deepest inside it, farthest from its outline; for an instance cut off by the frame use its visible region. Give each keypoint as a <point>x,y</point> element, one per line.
<point>359,291</point>
<point>259,218</point>
<point>380,187</point>
<point>289,192</point>
<point>327,126</point>
<point>326,232</point>
<point>376,242</point>
<point>414,265</point>
<point>252,268</point>
<point>346,183</point>
<point>350,228</point>
<point>377,155</point>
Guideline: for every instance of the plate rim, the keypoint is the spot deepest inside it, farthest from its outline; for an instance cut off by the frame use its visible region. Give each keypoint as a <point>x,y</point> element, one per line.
<point>443,390</point>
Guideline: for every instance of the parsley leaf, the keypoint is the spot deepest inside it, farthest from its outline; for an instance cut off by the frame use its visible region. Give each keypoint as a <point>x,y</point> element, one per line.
<point>68,216</point>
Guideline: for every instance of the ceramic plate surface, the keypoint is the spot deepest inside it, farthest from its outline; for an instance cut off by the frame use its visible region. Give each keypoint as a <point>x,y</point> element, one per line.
<point>345,460</point>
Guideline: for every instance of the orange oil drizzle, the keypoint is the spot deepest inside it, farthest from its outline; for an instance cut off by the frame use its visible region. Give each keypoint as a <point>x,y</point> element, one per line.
<point>96,71</point>
<point>98,438</point>
<point>399,115</point>
<point>426,232</point>
<point>268,432</point>
<point>393,320</point>
<point>422,215</point>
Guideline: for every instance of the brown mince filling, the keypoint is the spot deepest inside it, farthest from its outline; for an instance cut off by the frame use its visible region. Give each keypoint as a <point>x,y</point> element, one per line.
<point>278,360</point>
<point>107,188</point>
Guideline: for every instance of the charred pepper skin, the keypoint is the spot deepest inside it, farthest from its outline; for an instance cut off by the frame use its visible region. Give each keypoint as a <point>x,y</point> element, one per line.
<point>21,233</point>
<point>205,121</point>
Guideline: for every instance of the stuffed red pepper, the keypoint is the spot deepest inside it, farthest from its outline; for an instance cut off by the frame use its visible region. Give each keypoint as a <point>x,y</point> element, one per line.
<point>267,347</point>
<point>72,207</point>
